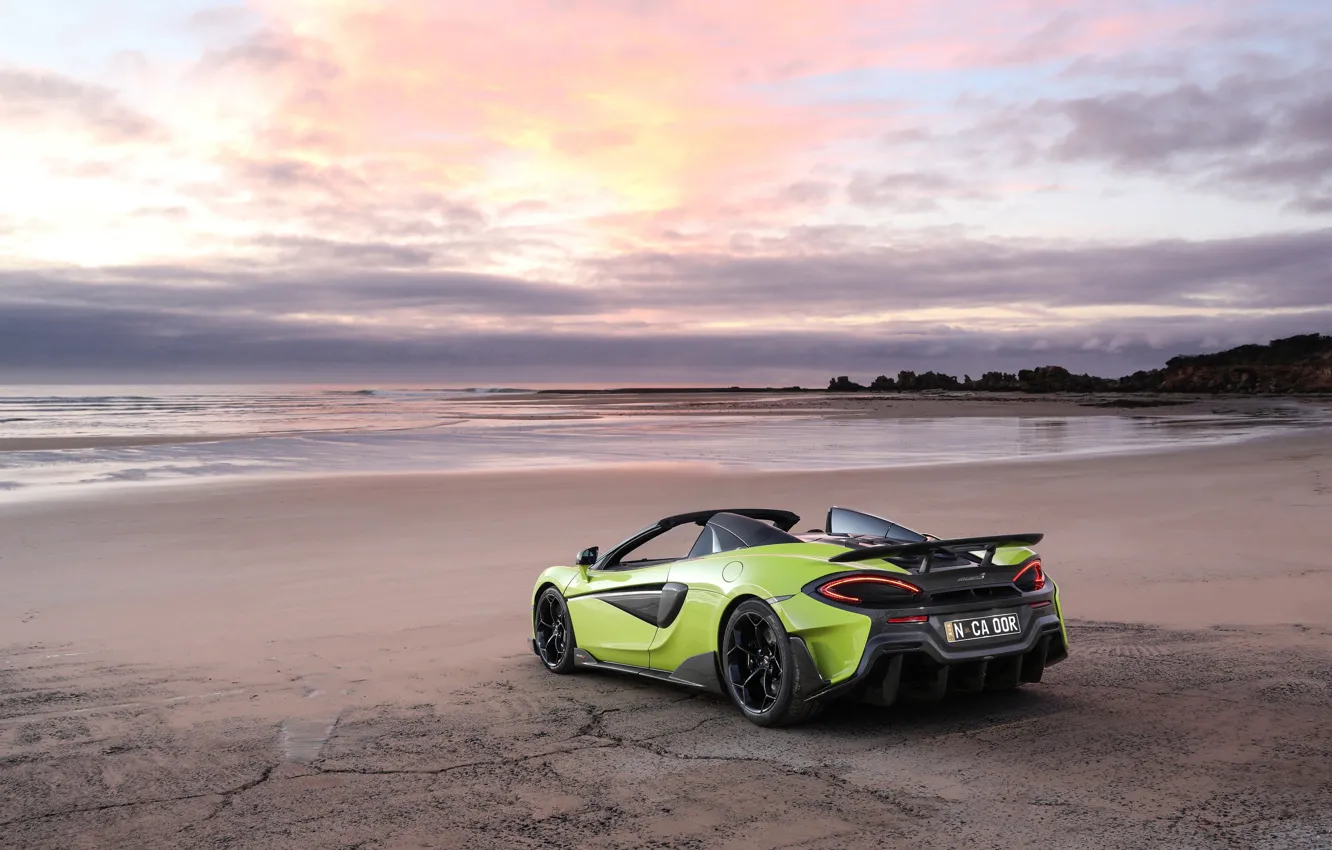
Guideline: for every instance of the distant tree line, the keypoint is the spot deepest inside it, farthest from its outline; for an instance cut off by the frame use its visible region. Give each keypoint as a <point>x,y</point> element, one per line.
<point>1298,364</point>
<point>1042,379</point>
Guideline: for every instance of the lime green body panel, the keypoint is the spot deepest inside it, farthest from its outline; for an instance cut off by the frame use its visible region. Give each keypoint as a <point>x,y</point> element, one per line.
<point>762,572</point>
<point>558,577</point>
<point>835,636</point>
<point>694,631</point>
<point>1011,555</point>
<point>1059,609</point>
<point>604,629</point>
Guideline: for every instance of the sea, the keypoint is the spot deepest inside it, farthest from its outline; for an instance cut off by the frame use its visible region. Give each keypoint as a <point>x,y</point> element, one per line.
<point>71,439</point>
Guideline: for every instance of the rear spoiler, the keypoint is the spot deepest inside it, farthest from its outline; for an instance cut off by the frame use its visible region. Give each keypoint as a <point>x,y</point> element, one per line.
<point>925,549</point>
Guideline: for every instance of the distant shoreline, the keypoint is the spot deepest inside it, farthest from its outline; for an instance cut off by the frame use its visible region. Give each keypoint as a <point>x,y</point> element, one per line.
<point>670,390</point>
<point>1156,398</point>
<point>1283,368</point>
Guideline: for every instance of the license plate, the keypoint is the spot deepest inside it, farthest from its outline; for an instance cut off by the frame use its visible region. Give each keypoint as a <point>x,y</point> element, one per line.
<point>974,628</point>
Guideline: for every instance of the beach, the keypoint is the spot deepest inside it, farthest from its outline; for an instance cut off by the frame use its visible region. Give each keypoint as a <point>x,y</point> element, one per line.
<point>652,425</point>
<point>62,441</point>
<point>340,661</point>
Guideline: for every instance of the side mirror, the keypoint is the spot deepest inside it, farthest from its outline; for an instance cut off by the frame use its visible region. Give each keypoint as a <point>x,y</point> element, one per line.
<point>587,557</point>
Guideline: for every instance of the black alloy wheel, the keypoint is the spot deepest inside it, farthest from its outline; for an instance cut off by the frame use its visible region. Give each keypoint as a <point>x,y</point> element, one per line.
<point>753,664</point>
<point>554,632</point>
<point>759,669</point>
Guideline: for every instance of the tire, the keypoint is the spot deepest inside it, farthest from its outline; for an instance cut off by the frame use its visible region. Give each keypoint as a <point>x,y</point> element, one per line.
<point>759,671</point>
<point>554,632</point>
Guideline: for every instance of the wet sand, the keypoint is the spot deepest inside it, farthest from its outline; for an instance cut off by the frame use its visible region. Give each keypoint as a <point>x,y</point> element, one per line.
<point>46,444</point>
<point>339,662</point>
<point>895,405</point>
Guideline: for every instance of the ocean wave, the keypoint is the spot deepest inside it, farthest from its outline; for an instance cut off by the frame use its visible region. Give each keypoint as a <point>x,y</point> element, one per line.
<point>75,399</point>
<point>168,470</point>
<point>487,390</point>
<point>431,391</point>
<point>735,442</point>
<point>17,419</point>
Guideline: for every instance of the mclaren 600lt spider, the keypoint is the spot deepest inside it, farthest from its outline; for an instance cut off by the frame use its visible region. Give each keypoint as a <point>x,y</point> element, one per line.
<point>783,623</point>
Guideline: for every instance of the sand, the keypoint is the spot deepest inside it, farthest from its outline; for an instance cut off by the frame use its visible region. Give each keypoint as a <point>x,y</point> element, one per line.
<point>340,662</point>
<point>46,444</point>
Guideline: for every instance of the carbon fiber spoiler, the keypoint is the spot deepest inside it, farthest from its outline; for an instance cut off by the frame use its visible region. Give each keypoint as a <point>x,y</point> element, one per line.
<point>925,549</point>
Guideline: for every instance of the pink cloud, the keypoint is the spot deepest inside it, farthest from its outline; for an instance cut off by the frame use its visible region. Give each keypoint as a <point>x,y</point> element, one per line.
<point>636,119</point>
<point>634,96</point>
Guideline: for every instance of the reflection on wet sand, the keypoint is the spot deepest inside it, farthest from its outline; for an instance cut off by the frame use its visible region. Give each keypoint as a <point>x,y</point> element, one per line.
<point>792,442</point>
<point>1042,436</point>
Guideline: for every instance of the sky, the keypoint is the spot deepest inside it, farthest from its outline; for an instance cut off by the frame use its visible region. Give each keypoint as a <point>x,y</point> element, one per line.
<point>656,191</point>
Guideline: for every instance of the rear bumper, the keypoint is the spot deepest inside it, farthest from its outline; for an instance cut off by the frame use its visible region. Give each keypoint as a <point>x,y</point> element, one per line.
<point>917,660</point>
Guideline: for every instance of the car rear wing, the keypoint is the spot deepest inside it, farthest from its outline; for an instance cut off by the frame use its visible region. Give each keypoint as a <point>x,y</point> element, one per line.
<point>925,549</point>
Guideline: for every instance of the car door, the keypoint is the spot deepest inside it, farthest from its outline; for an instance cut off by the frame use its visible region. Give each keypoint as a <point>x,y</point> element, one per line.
<point>687,634</point>
<point>614,611</point>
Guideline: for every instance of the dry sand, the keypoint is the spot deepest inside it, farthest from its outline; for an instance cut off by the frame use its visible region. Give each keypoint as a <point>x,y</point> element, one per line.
<point>340,662</point>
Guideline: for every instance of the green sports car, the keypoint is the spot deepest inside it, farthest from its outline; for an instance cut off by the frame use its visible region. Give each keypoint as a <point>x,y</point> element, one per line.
<point>862,610</point>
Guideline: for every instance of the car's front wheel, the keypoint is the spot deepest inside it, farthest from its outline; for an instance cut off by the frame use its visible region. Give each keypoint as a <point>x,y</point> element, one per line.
<point>554,632</point>
<point>759,668</point>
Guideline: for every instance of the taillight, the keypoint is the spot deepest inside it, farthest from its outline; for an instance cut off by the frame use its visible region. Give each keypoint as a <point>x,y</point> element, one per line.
<point>870,590</point>
<point>1031,577</point>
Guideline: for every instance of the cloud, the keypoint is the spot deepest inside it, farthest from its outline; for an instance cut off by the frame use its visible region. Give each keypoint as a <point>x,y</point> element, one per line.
<point>1135,129</point>
<point>124,342</point>
<point>312,252</point>
<point>174,212</point>
<point>39,96</point>
<point>1269,133</point>
<point>1259,272</point>
<point>286,174</point>
<point>808,192</point>
<point>231,21</point>
<point>758,315</point>
<point>201,293</point>
<point>645,105</point>
<point>264,52</point>
<point>1013,280</point>
<point>907,191</point>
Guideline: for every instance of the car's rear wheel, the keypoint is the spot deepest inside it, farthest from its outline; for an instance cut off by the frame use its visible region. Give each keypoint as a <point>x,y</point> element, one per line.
<point>759,668</point>
<point>554,632</point>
